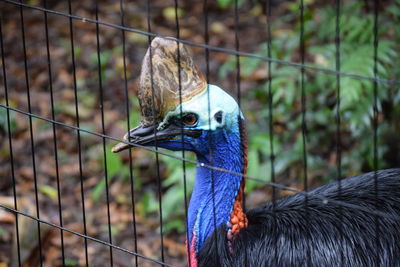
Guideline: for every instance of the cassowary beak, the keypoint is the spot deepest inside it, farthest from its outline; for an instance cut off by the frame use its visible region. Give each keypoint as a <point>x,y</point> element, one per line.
<point>140,131</point>
<point>142,135</point>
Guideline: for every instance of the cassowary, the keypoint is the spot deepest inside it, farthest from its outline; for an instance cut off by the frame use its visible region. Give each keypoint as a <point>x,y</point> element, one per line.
<point>189,114</point>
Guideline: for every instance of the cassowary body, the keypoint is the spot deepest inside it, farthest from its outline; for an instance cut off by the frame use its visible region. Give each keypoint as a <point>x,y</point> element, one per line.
<point>188,114</point>
<point>324,234</point>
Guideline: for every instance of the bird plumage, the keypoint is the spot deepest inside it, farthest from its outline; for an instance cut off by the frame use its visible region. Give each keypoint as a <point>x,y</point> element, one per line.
<point>295,231</point>
<point>321,233</point>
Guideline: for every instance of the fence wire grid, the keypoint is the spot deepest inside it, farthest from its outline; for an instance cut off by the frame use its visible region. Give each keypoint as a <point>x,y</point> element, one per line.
<point>68,125</point>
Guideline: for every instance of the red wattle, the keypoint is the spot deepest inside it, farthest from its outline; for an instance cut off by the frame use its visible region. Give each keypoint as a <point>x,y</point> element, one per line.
<point>192,253</point>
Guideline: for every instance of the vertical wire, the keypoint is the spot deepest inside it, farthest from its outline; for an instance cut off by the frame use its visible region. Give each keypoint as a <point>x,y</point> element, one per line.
<point>121,4</point>
<point>239,93</point>
<point>304,127</point>
<point>103,130</point>
<point>54,131</point>
<point>31,133</point>
<point>78,133</point>
<point>183,136</point>
<point>375,125</point>
<point>155,133</point>
<point>271,130</point>
<point>10,142</point>
<point>338,122</point>
<point>207,54</point>
<point>236,18</point>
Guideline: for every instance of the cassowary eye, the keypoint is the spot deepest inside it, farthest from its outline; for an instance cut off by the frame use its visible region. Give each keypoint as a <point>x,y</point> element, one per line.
<point>189,119</point>
<point>218,116</point>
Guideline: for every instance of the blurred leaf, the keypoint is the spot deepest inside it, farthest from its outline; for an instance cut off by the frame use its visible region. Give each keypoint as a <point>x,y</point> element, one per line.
<point>170,12</point>
<point>49,191</point>
<point>114,167</point>
<point>3,233</point>
<point>225,3</point>
<point>134,114</point>
<point>174,225</point>
<point>148,202</point>
<point>173,199</point>
<point>98,190</point>
<point>3,121</point>
<point>70,262</point>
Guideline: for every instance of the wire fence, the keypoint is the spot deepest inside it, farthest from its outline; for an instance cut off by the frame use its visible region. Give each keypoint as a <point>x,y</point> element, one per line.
<point>57,125</point>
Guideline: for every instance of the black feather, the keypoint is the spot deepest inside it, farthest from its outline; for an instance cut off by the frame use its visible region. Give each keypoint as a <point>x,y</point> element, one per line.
<point>335,236</point>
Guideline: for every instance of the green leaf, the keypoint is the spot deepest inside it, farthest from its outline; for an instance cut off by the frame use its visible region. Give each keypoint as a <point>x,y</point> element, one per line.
<point>170,12</point>
<point>114,167</point>
<point>70,262</point>
<point>49,191</point>
<point>98,191</point>
<point>3,120</point>
<point>225,3</point>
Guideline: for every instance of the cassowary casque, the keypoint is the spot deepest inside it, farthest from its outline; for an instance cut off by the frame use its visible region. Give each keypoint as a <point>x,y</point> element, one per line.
<point>192,115</point>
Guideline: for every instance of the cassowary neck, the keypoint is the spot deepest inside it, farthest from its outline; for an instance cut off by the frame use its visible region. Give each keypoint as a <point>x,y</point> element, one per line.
<point>217,195</point>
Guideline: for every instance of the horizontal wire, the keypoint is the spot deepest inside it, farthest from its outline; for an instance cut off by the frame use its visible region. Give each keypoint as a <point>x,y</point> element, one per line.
<point>324,199</point>
<point>212,48</point>
<point>101,135</point>
<point>83,236</point>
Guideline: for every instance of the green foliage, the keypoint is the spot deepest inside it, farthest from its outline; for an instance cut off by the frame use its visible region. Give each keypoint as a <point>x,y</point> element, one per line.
<point>356,98</point>
<point>114,167</point>
<point>134,114</point>
<point>173,198</point>
<point>49,191</point>
<point>4,123</point>
<point>171,12</point>
<point>148,203</point>
<point>3,232</point>
<point>66,45</point>
<point>227,3</point>
<point>71,262</point>
<point>105,59</point>
<point>356,102</point>
<point>258,152</point>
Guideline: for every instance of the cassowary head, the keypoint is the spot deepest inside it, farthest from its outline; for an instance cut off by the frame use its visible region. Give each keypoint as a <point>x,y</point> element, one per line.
<point>179,114</point>
<point>189,114</point>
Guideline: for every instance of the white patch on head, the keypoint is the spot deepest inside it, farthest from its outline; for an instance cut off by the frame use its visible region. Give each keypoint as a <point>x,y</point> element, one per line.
<point>219,101</point>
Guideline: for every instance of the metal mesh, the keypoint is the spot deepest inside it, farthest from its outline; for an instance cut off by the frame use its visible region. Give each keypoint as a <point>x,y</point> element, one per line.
<point>104,135</point>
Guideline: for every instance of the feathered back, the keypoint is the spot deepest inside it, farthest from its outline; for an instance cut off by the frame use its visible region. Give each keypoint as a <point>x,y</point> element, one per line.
<point>325,234</point>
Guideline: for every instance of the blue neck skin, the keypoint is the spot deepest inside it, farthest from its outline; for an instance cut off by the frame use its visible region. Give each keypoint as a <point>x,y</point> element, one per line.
<point>226,152</point>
